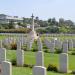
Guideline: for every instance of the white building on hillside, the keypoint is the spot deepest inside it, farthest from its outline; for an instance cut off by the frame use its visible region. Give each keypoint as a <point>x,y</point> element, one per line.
<point>6,19</point>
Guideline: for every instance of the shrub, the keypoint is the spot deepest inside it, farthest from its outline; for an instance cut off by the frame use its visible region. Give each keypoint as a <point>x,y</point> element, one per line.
<point>6,46</point>
<point>73,49</point>
<point>31,66</point>
<point>73,72</point>
<point>46,50</point>
<point>19,30</point>
<point>73,53</point>
<point>58,50</point>
<point>27,65</point>
<point>24,47</point>
<point>13,46</point>
<point>34,47</point>
<point>45,47</point>
<point>52,68</point>
<point>13,61</point>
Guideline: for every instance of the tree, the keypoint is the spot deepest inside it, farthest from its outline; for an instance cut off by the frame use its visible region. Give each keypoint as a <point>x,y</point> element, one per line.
<point>61,21</point>
<point>52,29</point>
<point>52,22</point>
<point>37,18</point>
<point>49,21</point>
<point>69,23</point>
<point>43,23</point>
<point>11,25</point>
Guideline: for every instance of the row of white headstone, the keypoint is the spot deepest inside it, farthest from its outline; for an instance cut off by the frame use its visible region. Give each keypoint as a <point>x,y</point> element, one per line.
<point>65,45</point>
<point>11,40</point>
<point>13,34</point>
<point>46,35</point>
<point>22,40</point>
<point>56,35</point>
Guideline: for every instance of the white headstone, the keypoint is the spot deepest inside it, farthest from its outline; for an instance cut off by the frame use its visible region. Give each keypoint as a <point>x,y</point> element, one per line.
<point>39,70</point>
<point>52,47</point>
<point>20,57</point>
<point>6,68</point>
<point>58,44</point>
<point>65,46</point>
<point>29,45</point>
<point>47,43</point>
<point>21,40</point>
<point>63,62</point>
<point>0,43</point>
<point>70,44</point>
<point>18,44</point>
<point>2,54</point>
<point>40,58</point>
<point>39,44</point>
<point>73,43</point>
<point>53,40</point>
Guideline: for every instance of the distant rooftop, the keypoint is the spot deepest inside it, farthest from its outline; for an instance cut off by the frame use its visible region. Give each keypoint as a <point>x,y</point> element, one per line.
<point>4,16</point>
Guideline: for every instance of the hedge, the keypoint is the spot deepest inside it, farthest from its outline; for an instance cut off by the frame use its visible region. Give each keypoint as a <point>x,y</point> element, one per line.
<point>20,30</point>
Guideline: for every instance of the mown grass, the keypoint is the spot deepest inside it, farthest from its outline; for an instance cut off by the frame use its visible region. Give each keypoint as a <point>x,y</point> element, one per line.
<point>2,37</point>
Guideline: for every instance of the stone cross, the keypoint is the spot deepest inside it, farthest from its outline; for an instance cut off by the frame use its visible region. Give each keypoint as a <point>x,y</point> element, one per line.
<point>32,22</point>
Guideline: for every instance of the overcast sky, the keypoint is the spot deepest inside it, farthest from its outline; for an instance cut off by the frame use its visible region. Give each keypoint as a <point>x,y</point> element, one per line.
<point>43,8</point>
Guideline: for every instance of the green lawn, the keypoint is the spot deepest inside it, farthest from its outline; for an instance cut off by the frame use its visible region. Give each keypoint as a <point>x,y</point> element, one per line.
<point>29,58</point>
<point>2,37</point>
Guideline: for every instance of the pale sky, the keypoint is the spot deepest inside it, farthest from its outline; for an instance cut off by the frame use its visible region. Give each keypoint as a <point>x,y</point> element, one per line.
<point>44,9</point>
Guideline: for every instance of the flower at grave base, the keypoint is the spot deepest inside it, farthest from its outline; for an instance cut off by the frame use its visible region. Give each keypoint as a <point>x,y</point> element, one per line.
<point>13,46</point>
